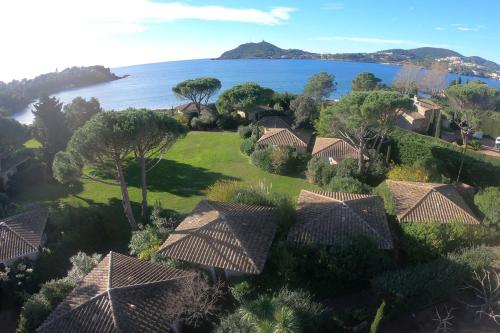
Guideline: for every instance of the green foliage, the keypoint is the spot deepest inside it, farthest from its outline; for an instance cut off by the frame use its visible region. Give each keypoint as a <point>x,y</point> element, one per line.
<point>197,90</point>
<point>475,145</point>
<point>247,146</point>
<point>425,284</point>
<point>320,85</point>
<point>365,82</point>
<point>378,318</point>
<point>282,101</point>
<point>12,135</point>
<point>319,172</point>
<point>38,307</point>
<point>424,241</point>
<point>348,167</point>
<point>229,121</point>
<point>411,173</point>
<point>286,311</point>
<point>488,202</point>
<point>347,184</point>
<point>490,123</point>
<point>383,191</point>
<point>278,160</point>
<point>79,111</point>
<point>243,97</point>
<point>261,158</point>
<point>82,264</point>
<point>67,167</point>
<point>182,119</point>
<point>409,148</point>
<point>49,127</point>
<point>244,131</point>
<point>241,291</point>
<point>324,270</point>
<point>305,111</point>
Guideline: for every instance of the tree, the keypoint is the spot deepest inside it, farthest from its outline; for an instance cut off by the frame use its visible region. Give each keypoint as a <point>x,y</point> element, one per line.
<point>107,137</point>
<point>153,133</point>
<point>243,97</point>
<point>305,110</point>
<point>434,80</point>
<point>406,80</point>
<point>488,201</point>
<point>199,91</point>
<point>365,82</point>
<point>282,101</point>
<point>320,85</point>
<point>467,102</point>
<point>50,127</point>
<point>12,135</point>
<point>79,111</point>
<point>361,117</point>
<point>67,167</point>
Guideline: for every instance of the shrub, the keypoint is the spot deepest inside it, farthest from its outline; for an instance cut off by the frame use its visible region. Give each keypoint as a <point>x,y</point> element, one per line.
<point>382,190</point>
<point>280,160</point>
<point>428,283</point>
<point>229,121</point>
<point>424,241</point>
<point>347,184</point>
<point>376,168</point>
<point>241,291</point>
<point>247,147</point>
<point>261,158</point>
<point>475,145</point>
<point>488,202</point>
<point>319,172</point>
<point>244,131</point>
<point>223,190</point>
<point>144,242</point>
<point>182,119</point>
<point>82,264</point>
<point>197,123</point>
<point>348,168</point>
<point>409,173</point>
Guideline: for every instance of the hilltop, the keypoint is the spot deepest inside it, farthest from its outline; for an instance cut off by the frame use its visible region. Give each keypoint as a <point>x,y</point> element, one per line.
<point>423,56</point>
<point>265,50</point>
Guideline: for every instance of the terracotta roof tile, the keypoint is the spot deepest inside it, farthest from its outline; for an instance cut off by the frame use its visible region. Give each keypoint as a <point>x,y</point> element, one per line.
<point>21,235</point>
<point>429,202</point>
<point>335,148</point>
<point>333,218</point>
<point>230,236</point>
<point>285,137</point>
<point>120,294</point>
<point>274,122</point>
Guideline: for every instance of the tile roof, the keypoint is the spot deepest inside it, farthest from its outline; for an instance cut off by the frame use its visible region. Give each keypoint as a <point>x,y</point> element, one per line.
<point>190,107</point>
<point>230,236</point>
<point>121,294</point>
<point>285,137</point>
<point>274,122</point>
<point>336,148</point>
<point>333,218</point>
<point>21,235</point>
<point>429,202</point>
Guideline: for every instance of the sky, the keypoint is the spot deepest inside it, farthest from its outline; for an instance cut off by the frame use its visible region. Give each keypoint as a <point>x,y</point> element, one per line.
<point>39,36</point>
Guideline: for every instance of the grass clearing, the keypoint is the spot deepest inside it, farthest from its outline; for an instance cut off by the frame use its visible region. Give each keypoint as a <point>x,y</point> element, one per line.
<point>179,180</point>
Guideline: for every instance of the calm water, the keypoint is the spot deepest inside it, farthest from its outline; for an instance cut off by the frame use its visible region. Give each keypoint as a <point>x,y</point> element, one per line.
<point>150,86</point>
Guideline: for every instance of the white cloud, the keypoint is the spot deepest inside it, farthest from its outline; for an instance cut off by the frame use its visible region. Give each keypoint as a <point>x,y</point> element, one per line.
<point>401,42</point>
<point>43,35</point>
<point>439,28</point>
<point>467,29</point>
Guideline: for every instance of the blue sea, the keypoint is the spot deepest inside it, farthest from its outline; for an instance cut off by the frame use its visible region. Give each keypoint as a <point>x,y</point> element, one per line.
<point>150,85</point>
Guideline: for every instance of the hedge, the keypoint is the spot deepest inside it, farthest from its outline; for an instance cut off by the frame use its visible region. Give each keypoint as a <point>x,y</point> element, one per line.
<point>409,147</point>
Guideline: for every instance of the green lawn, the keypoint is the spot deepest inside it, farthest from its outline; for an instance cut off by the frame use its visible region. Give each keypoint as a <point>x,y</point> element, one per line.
<point>180,180</point>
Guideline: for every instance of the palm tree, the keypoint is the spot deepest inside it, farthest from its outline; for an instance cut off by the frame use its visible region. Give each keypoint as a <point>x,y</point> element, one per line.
<point>265,315</point>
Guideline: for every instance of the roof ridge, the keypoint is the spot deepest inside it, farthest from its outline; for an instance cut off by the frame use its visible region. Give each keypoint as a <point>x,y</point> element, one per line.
<point>292,131</point>
<point>110,263</point>
<point>457,205</point>
<point>365,222</point>
<point>21,237</point>
<point>321,193</point>
<point>245,250</point>
<point>329,146</point>
<point>406,212</point>
<point>146,284</point>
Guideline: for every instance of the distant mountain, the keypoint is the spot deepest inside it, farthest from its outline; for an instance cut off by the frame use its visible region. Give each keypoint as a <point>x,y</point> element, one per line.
<point>265,50</point>
<point>423,56</point>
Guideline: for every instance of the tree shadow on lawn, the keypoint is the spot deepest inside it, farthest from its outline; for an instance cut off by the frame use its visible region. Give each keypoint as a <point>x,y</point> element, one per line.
<point>176,178</point>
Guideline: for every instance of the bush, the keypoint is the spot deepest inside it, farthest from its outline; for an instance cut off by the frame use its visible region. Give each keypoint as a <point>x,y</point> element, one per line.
<point>488,202</point>
<point>324,270</point>
<point>426,284</point>
<point>409,173</point>
<point>244,131</point>
<point>82,264</point>
<point>144,242</point>
<point>424,241</point>
<point>475,145</point>
<point>319,172</point>
<point>182,119</point>
<point>409,147</point>
<point>376,168</point>
<point>197,123</point>
<point>347,184</point>
<point>229,121</point>
<point>348,168</point>
<point>261,158</point>
<point>382,190</point>
<point>247,147</point>
<point>280,159</point>
<point>223,190</point>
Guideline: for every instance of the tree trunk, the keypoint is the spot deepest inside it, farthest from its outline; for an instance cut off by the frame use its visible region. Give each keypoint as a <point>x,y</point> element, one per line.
<point>464,150</point>
<point>127,207</point>
<point>379,146</point>
<point>144,205</point>
<point>361,158</point>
